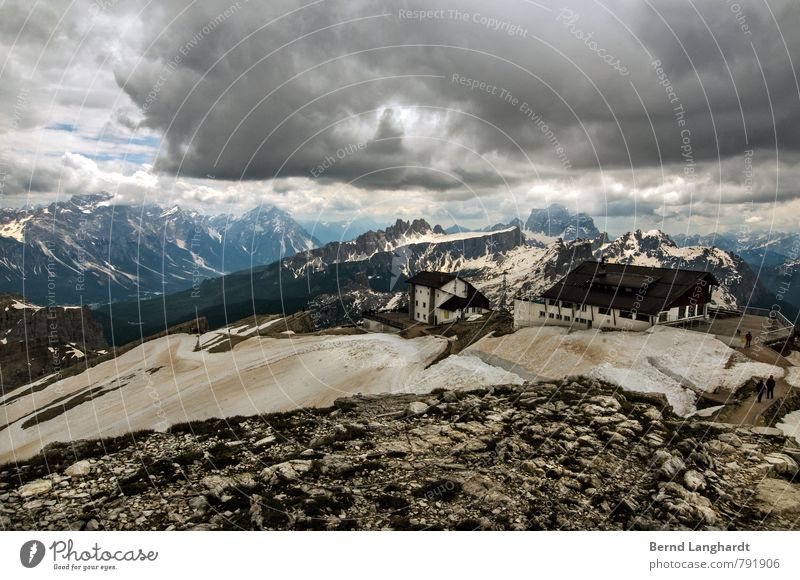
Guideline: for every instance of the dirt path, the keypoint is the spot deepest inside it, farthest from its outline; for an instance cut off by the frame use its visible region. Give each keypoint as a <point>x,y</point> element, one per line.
<point>749,411</point>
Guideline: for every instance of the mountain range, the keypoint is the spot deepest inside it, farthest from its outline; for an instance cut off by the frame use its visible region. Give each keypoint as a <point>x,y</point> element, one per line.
<point>341,279</point>
<point>554,221</point>
<point>89,249</point>
<point>147,267</point>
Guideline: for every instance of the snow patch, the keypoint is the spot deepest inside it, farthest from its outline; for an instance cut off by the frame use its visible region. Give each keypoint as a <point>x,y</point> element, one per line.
<point>790,425</point>
<point>258,375</point>
<point>793,377</point>
<point>675,362</point>
<point>14,229</point>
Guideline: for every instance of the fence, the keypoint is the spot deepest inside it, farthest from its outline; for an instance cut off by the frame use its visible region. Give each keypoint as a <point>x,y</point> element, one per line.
<point>776,325</point>
<point>393,322</point>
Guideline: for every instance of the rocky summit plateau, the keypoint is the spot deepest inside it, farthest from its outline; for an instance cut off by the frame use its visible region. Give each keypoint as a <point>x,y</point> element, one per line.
<point>578,454</point>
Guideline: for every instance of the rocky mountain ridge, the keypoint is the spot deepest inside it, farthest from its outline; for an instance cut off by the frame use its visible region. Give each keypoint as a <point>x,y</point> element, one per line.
<point>366,245</point>
<point>557,221</point>
<point>578,455</point>
<point>90,249</point>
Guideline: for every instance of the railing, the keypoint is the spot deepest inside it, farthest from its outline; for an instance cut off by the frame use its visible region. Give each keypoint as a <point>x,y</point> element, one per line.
<point>686,321</point>
<point>777,327</point>
<point>393,322</point>
<point>776,315</point>
<point>780,326</point>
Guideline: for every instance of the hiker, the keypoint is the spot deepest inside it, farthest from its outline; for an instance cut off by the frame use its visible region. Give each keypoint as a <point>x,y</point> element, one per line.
<point>748,338</point>
<point>770,387</point>
<point>760,389</point>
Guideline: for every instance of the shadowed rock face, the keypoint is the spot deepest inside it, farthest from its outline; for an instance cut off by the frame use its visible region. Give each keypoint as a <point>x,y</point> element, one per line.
<point>364,246</point>
<point>577,455</point>
<point>557,221</point>
<point>43,340</point>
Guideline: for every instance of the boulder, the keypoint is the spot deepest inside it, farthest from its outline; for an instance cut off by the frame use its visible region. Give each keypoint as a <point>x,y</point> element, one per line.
<point>78,469</point>
<point>730,438</point>
<point>36,487</point>
<point>416,408</point>
<point>287,471</point>
<point>268,440</point>
<point>694,480</point>
<point>781,464</point>
<point>216,485</point>
<point>671,468</point>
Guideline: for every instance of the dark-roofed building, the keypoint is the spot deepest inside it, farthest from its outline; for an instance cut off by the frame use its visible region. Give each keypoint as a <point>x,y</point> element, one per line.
<point>603,295</point>
<point>439,297</point>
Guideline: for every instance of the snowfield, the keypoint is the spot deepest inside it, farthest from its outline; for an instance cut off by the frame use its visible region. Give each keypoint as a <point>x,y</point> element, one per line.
<point>167,381</point>
<point>790,425</point>
<point>794,358</point>
<point>678,363</point>
<point>793,376</point>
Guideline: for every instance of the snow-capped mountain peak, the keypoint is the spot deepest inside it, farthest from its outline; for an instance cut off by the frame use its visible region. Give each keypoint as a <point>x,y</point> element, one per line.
<point>94,249</point>
<point>557,221</point>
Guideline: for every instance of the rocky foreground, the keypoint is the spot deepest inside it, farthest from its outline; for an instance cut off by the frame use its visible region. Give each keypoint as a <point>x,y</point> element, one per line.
<point>577,455</point>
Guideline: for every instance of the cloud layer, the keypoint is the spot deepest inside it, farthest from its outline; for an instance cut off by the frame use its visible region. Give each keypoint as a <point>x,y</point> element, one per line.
<point>636,111</point>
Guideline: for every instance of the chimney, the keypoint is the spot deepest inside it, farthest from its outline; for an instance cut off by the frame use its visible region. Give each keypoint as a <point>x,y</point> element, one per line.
<point>601,271</point>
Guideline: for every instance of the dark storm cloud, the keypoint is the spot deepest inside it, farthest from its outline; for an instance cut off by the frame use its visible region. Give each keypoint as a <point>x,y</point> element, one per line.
<point>239,98</point>
<point>506,99</point>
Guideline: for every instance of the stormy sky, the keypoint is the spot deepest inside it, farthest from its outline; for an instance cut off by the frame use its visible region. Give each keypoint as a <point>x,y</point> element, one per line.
<point>683,115</point>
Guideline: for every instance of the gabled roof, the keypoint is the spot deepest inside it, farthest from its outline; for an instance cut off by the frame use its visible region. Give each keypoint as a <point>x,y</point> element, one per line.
<point>431,279</point>
<point>645,289</point>
<point>474,299</point>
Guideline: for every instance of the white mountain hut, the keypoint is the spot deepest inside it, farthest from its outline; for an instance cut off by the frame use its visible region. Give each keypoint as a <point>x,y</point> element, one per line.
<point>438,297</point>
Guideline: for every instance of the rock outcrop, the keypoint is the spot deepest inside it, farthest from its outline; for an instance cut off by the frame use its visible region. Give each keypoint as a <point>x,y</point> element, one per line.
<point>37,340</point>
<point>575,455</point>
<point>557,221</point>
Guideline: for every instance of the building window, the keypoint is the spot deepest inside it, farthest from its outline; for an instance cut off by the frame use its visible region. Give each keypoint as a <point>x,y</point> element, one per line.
<point>583,307</point>
<point>423,305</point>
<point>605,311</point>
<point>643,317</point>
<point>625,314</point>
<point>416,302</point>
<point>662,316</point>
<point>551,315</point>
<point>681,312</point>
<point>566,318</point>
<point>541,314</point>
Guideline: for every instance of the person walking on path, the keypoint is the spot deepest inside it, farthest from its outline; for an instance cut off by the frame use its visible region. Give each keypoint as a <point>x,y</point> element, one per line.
<point>770,387</point>
<point>748,338</point>
<point>760,388</point>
